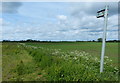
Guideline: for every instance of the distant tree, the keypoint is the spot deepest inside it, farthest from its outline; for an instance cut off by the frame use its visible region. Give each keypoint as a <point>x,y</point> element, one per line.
<point>6,40</point>
<point>99,39</point>
<point>29,40</point>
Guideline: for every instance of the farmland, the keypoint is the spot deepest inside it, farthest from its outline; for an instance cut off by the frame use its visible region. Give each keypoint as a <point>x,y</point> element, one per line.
<point>59,61</point>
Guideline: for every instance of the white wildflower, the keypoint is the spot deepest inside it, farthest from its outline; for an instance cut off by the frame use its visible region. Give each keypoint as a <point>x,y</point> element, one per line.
<point>75,58</point>
<point>106,57</point>
<point>110,60</point>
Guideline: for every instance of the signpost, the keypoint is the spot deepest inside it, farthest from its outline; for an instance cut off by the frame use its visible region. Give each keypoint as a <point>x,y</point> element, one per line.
<point>103,13</point>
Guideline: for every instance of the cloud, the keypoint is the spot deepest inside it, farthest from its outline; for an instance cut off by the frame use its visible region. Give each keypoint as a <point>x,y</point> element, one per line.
<point>1,21</point>
<point>90,26</point>
<point>61,17</point>
<point>90,8</point>
<point>79,23</point>
<point>0,7</point>
<point>10,7</point>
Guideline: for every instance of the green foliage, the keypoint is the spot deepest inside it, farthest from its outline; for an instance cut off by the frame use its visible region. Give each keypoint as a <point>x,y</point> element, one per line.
<point>93,48</point>
<point>99,39</point>
<point>20,68</point>
<point>81,68</point>
<point>17,64</point>
<point>46,61</point>
<point>59,65</point>
<point>73,66</point>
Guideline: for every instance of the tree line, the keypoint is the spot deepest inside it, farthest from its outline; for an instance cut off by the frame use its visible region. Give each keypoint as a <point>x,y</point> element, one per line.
<point>30,40</point>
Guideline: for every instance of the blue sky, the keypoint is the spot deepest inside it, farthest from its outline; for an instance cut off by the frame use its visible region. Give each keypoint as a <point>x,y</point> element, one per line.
<point>56,20</point>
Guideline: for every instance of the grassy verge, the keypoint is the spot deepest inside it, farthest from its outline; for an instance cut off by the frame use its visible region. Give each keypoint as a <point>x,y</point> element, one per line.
<point>72,66</point>
<point>0,61</point>
<point>17,65</point>
<point>31,62</point>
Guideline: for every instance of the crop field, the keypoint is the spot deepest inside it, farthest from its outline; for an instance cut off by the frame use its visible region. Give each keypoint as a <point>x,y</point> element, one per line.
<point>58,61</point>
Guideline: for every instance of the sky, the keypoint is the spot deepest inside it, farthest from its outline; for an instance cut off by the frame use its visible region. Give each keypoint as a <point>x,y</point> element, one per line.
<point>56,21</point>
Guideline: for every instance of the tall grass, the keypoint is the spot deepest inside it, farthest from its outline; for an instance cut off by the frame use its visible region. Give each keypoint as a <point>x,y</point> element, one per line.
<point>72,66</point>
<point>29,62</point>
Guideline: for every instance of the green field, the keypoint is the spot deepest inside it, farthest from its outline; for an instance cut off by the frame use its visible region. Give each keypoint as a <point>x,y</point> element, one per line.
<point>93,48</point>
<point>60,61</point>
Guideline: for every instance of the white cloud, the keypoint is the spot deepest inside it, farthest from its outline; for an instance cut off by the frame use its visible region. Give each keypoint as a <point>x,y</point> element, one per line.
<point>90,26</point>
<point>61,17</point>
<point>1,21</point>
<point>81,24</point>
<point>90,8</point>
<point>113,22</point>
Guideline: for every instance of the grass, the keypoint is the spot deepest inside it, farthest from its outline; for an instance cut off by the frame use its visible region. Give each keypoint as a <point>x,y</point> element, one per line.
<point>13,69</point>
<point>93,48</point>
<point>0,61</point>
<point>58,62</point>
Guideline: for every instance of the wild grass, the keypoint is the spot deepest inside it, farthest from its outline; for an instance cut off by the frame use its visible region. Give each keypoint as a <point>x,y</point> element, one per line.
<point>0,61</point>
<point>17,64</point>
<point>74,66</point>
<point>53,62</point>
<point>93,48</point>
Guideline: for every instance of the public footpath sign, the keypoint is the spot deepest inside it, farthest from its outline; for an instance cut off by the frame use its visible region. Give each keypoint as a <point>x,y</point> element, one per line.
<point>103,13</point>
